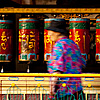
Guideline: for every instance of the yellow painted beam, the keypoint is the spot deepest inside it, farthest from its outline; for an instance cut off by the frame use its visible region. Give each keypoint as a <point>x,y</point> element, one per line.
<point>46,75</point>
<point>49,10</point>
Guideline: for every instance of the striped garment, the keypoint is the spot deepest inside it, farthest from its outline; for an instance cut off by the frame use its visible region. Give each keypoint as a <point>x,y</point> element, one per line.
<point>66,57</point>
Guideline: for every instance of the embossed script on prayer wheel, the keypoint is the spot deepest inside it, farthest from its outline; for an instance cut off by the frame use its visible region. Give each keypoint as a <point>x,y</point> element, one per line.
<point>28,39</point>
<point>98,40</point>
<point>6,44</point>
<point>79,32</point>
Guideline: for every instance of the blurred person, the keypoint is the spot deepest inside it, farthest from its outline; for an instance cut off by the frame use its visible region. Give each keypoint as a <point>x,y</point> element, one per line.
<point>65,58</point>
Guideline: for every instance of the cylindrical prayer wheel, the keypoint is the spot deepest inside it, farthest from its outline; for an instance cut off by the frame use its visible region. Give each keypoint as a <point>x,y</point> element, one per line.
<point>48,44</point>
<point>28,39</point>
<point>98,40</point>
<point>6,44</point>
<point>79,32</point>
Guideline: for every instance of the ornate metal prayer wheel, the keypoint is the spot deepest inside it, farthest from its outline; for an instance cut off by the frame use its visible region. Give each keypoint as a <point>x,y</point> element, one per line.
<point>28,39</point>
<point>48,44</point>
<point>79,32</point>
<point>98,40</point>
<point>6,44</point>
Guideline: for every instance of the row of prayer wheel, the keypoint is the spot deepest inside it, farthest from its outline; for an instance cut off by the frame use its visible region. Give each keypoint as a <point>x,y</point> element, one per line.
<point>79,31</point>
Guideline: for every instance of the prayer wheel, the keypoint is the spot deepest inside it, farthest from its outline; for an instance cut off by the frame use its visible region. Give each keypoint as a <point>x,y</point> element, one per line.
<point>6,44</point>
<point>98,40</point>
<point>79,32</point>
<point>28,39</point>
<point>48,44</point>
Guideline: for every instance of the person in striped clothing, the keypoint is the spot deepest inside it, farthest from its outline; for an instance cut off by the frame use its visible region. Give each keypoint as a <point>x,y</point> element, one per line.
<point>65,58</point>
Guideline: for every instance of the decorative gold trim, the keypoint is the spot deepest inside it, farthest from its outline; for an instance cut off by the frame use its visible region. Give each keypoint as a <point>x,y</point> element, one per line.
<point>27,60</point>
<point>5,61</point>
<point>49,10</point>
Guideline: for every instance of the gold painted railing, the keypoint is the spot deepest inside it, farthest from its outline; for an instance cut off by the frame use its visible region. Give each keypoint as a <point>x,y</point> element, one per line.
<point>46,75</point>
<point>35,86</point>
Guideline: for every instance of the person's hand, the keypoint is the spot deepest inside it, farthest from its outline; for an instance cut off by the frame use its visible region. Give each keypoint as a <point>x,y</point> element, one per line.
<point>53,81</point>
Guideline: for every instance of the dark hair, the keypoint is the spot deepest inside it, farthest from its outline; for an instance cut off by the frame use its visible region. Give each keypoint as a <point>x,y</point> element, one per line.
<point>65,34</point>
<point>58,26</point>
